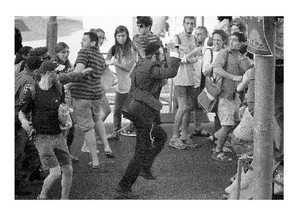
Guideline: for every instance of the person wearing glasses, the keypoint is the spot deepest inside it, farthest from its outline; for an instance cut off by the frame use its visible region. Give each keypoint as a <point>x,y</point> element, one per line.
<point>141,40</point>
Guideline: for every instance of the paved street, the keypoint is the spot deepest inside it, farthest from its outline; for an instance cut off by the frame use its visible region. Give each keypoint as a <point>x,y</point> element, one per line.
<point>181,174</point>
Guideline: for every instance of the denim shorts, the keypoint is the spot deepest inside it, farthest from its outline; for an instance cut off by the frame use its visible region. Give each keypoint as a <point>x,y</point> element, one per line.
<point>190,93</point>
<point>53,150</point>
<point>228,111</point>
<point>86,113</point>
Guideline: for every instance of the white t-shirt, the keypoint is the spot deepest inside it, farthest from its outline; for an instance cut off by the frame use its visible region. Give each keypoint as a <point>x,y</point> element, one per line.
<point>185,75</point>
<point>207,58</point>
<point>123,77</point>
<point>198,66</point>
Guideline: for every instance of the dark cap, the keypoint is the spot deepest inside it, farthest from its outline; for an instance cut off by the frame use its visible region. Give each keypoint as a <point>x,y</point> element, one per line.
<point>38,51</point>
<point>49,65</point>
<point>152,47</point>
<point>33,62</point>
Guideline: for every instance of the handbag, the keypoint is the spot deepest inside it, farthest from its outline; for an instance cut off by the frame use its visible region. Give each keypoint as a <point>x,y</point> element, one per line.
<point>213,85</point>
<point>207,101</point>
<point>140,104</point>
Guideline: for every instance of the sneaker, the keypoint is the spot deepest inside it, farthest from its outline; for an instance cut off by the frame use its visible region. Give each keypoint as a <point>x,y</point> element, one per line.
<point>220,156</point>
<point>147,175</point>
<point>191,143</point>
<point>41,198</point>
<point>20,191</point>
<point>114,136</point>
<point>201,133</point>
<point>129,133</point>
<point>177,143</point>
<point>126,193</point>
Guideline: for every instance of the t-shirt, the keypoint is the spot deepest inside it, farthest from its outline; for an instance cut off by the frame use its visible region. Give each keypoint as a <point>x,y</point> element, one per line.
<point>228,87</point>
<point>44,106</point>
<point>186,75</point>
<point>123,76</point>
<point>90,88</point>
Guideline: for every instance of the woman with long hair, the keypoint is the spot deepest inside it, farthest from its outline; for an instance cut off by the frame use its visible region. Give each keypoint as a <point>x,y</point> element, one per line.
<point>123,56</point>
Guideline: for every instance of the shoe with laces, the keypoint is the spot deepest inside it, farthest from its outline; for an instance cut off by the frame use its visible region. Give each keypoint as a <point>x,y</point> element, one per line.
<point>177,143</point>
<point>129,133</point>
<point>127,193</point>
<point>220,156</point>
<point>191,143</point>
<point>147,175</point>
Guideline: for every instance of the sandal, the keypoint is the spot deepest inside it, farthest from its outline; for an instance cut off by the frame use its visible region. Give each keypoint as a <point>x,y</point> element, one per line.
<point>201,133</point>
<point>212,138</point>
<point>220,156</point>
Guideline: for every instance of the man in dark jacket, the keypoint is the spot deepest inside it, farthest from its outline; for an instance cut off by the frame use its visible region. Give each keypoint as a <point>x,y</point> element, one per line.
<point>147,75</point>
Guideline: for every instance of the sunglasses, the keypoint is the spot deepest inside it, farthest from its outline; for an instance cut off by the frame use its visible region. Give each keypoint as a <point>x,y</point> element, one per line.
<point>140,26</point>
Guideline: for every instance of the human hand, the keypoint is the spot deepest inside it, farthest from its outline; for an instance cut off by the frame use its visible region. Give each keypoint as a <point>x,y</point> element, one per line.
<point>109,62</point>
<point>184,60</point>
<point>87,70</point>
<point>26,125</point>
<point>237,78</point>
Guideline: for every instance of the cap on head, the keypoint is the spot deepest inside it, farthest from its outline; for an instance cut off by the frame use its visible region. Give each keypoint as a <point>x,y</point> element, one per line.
<point>38,51</point>
<point>152,47</point>
<point>33,62</point>
<point>50,65</point>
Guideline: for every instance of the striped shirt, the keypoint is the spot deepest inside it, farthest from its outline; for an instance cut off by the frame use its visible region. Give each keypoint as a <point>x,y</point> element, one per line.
<point>90,88</point>
<point>143,40</point>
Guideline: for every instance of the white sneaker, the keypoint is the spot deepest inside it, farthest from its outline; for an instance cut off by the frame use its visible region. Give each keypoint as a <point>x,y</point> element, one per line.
<point>177,143</point>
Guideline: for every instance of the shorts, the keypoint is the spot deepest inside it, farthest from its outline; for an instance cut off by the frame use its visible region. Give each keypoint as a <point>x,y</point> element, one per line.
<point>228,111</point>
<point>53,150</point>
<point>190,93</point>
<point>85,113</point>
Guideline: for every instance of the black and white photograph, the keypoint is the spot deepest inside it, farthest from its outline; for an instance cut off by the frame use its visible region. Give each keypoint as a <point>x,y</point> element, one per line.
<point>153,111</point>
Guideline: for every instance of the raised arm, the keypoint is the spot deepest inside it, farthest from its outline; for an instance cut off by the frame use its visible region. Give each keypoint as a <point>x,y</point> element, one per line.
<point>169,72</point>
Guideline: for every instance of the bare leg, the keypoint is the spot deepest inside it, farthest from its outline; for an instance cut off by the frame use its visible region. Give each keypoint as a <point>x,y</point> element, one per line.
<point>54,174</point>
<point>101,131</point>
<point>91,143</point>
<point>66,182</point>
<point>222,135</point>
<point>179,115</point>
<point>105,108</point>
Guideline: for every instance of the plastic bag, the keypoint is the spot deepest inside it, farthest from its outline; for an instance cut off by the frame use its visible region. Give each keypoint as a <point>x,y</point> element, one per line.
<point>107,79</point>
<point>64,115</point>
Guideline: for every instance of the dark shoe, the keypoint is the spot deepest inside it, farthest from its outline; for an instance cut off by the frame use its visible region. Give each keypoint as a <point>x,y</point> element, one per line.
<point>127,193</point>
<point>36,176</point>
<point>109,155</point>
<point>201,133</point>
<point>21,190</point>
<point>147,175</point>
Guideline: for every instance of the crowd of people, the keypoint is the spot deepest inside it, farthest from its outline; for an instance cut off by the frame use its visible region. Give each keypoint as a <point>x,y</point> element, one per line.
<point>44,141</point>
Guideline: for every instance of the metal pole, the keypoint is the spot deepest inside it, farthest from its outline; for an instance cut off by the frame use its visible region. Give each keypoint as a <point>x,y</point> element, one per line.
<point>51,39</point>
<point>202,20</point>
<point>264,112</point>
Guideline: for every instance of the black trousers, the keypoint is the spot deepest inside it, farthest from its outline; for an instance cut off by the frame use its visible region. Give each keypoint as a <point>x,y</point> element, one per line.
<point>144,155</point>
